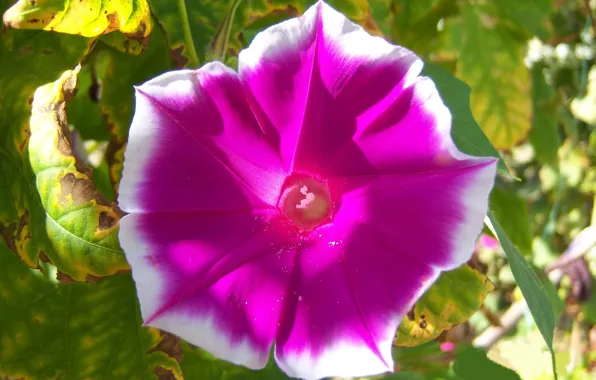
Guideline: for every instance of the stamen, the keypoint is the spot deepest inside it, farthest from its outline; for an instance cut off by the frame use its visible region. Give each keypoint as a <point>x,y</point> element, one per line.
<point>310,197</point>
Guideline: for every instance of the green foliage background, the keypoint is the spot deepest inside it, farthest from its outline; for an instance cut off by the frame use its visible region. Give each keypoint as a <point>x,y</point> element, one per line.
<point>68,307</point>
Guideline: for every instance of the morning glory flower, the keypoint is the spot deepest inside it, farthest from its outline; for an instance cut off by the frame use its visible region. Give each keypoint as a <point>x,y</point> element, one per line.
<point>301,205</point>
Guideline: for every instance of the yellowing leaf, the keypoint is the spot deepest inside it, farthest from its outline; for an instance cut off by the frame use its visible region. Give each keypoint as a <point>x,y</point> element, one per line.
<point>490,61</point>
<point>451,300</point>
<point>88,18</point>
<point>81,224</point>
<point>28,59</point>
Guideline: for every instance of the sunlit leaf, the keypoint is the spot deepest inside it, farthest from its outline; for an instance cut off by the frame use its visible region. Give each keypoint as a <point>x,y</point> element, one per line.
<point>490,61</point>
<point>517,225</point>
<point>28,59</point>
<point>525,354</point>
<point>584,108</point>
<point>529,284</point>
<point>87,18</point>
<point>81,224</point>
<point>124,44</point>
<point>451,300</point>
<point>51,330</point>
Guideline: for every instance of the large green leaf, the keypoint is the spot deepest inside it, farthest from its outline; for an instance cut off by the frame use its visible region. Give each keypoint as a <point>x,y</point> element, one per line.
<point>471,362</point>
<point>490,60</point>
<point>51,330</point>
<point>28,59</point>
<point>517,225</point>
<point>81,224</point>
<point>87,18</point>
<point>529,284</point>
<point>451,300</point>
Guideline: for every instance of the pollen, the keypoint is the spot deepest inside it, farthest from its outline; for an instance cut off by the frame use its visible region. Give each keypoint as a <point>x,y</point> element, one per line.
<point>306,202</point>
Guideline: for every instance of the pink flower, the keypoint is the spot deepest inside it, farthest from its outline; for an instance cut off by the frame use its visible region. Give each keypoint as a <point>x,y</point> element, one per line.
<point>303,204</point>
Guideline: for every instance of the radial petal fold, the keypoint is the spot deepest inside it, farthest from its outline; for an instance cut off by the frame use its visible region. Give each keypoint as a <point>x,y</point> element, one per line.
<point>217,280</point>
<point>195,145</point>
<point>344,303</point>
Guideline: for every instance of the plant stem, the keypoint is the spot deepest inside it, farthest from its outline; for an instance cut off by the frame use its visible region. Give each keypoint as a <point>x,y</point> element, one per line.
<point>190,45</point>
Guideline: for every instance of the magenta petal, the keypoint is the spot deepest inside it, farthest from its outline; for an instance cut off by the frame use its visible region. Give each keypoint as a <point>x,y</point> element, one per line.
<point>312,78</point>
<point>217,280</point>
<point>195,146</point>
<point>309,200</point>
<point>346,299</point>
<point>433,217</point>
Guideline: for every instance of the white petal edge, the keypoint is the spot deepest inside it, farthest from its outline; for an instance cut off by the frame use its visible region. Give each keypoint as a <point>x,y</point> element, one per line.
<point>475,199</point>
<point>351,38</point>
<point>200,331</point>
<point>475,194</point>
<point>346,359</point>
<point>144,129</point>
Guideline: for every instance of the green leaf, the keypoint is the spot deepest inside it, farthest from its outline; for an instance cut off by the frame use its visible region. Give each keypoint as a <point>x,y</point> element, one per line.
<point>219,44</point>
<point>256,15</point>
<point>403,376</point>
<point>544,136</point>
<point>472,363</point>
<point>451,300</point>
<point>28,59</point>
<point>51,330</point>
<point>490,60</point>
<point>413,24</point>
<point>531,15</point>
<point>529,284</point>
<point>466,134</point>
<point>516,224</point>
<point>427,359</point>
<point>189,27</point>
<point>120,72</point>
<point>87,18</point>
<point>198,364</point>
<point>124,44</point>
<point>83,112</point>
<point>81,224</point>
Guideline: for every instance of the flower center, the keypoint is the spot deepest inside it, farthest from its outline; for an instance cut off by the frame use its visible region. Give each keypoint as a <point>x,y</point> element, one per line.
<point>306,202</point>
